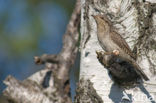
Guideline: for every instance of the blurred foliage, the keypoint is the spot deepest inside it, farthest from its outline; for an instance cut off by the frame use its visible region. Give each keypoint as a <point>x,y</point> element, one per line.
<point>68,5</point>
<point>29,28</point>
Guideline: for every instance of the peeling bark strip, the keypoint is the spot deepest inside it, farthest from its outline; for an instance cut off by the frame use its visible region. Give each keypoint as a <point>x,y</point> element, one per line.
<point>50,85</point>
<point>135,20</point>
<point>85,93</point>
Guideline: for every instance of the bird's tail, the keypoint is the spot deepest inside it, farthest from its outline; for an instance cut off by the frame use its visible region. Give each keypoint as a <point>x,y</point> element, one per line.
<point>140,71</point>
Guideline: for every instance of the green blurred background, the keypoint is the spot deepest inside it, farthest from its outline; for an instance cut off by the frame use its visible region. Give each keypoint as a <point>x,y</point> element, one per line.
<point>29,28</point>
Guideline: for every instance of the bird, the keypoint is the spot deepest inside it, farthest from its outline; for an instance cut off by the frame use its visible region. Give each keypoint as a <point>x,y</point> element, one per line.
<point>112,42</point>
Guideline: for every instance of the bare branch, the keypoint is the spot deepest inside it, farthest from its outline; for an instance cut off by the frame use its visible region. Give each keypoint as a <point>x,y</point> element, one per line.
<point>49,85</point>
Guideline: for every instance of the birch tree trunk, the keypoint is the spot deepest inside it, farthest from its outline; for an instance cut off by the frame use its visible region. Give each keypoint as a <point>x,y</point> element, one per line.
<point>135,20</point>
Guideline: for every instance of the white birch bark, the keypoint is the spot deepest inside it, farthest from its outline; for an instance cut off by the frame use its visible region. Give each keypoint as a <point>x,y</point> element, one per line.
<point>135,20</point>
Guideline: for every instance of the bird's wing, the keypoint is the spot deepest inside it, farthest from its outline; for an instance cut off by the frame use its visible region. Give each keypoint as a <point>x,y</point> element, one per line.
<point>117,38</point>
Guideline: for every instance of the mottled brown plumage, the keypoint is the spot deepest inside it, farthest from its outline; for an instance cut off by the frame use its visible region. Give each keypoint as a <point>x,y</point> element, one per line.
<point>110,40</point>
